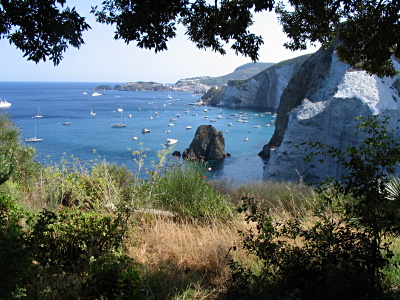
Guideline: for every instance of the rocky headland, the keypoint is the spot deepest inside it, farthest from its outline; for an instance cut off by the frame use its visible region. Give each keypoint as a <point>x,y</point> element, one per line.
<point>197,85</point>
<point>317,98</point>
<point>261,91</point>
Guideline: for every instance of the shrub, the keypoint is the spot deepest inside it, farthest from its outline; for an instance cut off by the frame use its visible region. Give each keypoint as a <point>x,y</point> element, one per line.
<point>71,237</point>
<point>15,256</point>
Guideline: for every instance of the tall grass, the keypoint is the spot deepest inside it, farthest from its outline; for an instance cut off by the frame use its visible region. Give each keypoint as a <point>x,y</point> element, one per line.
<point>285,199</point>
<point>184,190</point>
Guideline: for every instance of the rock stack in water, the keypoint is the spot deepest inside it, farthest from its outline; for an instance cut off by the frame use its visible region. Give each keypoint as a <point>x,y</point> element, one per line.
<point>208,144</point>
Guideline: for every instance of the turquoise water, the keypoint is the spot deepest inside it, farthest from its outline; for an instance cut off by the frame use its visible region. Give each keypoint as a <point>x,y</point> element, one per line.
<point>73,102</point>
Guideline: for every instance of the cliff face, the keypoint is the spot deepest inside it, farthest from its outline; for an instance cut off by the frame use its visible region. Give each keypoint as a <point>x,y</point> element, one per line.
<point>262,91</point>
<point>321,103</point>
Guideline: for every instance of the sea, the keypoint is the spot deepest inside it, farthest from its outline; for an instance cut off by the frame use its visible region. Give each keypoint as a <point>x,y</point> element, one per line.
<point>91,136</point>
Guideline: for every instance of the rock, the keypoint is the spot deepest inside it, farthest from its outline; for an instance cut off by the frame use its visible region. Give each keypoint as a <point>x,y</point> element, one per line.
<point>176,153</point>
<point>208,144</point>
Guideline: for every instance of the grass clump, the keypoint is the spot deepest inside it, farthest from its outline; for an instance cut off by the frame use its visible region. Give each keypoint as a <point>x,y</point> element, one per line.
<point>184,190</point>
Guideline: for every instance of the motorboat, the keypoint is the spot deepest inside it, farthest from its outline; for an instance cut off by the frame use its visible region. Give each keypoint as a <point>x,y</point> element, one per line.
<point>171,142</point>
<point>96,94</point>
<point>4,104</point>
<point>145,130</point>
<point>134,138</point>
<point>245,139</point>
<point>171,124</point>
<point>188,127</point>
<point>257,126</point>
<point>230,124</point>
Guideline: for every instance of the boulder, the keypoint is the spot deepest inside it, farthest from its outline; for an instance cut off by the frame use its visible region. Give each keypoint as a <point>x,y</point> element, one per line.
<point>207,144</point>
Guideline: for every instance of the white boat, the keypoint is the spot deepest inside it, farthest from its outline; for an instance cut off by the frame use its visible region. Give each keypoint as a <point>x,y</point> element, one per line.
<point>167,131</point>
<point>130,116</point>
<point>213,120</point>
<point>219,117</point>
<point>171,142</point>
<point>96,94</point>
<point>134,138</point>
<point>34,139</point>
<point>120,124</point>
<point>230,124</point>
<point>169,94</point>
<point>145,130</point>
<point>92,112</point>
<point>188,127</point>
<point>171,124</point>
<point>245,139</point>
<point>4,104</point>
<point>39,114</point>
<point>119,109</point>
<point>257,126</point>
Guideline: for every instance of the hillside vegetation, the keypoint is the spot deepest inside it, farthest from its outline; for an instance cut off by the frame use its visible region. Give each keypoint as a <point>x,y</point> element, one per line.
<point>91,230</point>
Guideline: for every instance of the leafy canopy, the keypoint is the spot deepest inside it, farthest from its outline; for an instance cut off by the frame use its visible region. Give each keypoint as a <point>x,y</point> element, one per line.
<point>368,30</point>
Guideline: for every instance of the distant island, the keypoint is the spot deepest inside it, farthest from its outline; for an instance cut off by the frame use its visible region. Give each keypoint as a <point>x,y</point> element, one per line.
<point>197,85</point>
<point>136,86</point>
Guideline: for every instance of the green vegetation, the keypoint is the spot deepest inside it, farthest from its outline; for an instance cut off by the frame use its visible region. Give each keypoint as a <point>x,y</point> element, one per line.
<point>96,231</point>
<point>143,86</point>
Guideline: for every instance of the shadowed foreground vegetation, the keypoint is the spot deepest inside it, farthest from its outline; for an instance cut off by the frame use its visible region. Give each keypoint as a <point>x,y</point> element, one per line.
<point>91,230</point>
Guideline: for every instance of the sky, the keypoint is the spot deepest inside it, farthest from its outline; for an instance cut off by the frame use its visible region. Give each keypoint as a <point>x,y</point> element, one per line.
<point>103,59</point>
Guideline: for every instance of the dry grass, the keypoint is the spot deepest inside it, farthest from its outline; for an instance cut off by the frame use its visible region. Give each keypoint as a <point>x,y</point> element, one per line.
<point>281,199</point>
<point>186,257</point>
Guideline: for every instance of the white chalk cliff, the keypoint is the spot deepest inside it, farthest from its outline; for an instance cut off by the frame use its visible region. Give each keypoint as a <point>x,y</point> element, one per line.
<point>321,103</point>
<point>261,91</point>
<point>317,98</point>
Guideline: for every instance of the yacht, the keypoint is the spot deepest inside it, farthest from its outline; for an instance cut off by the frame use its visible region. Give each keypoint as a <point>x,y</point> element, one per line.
<point>4,104</point>
<point>145,130</point>
<point>188,127</point>
<point>171,142</point>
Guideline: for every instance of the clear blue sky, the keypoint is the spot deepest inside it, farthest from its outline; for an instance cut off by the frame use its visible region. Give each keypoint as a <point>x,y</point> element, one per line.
<point>102,59</point>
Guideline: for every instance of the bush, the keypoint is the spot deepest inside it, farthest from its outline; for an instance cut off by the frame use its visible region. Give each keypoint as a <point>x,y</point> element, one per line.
<point>70,238</point>
<point>15,255</point>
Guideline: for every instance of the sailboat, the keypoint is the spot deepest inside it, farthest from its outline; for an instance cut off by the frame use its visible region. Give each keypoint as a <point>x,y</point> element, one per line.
<point>169,94</point>
<point>67,122</point>
<point>39,114</point>
<point>33,139</point>
<point>119,125</point>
